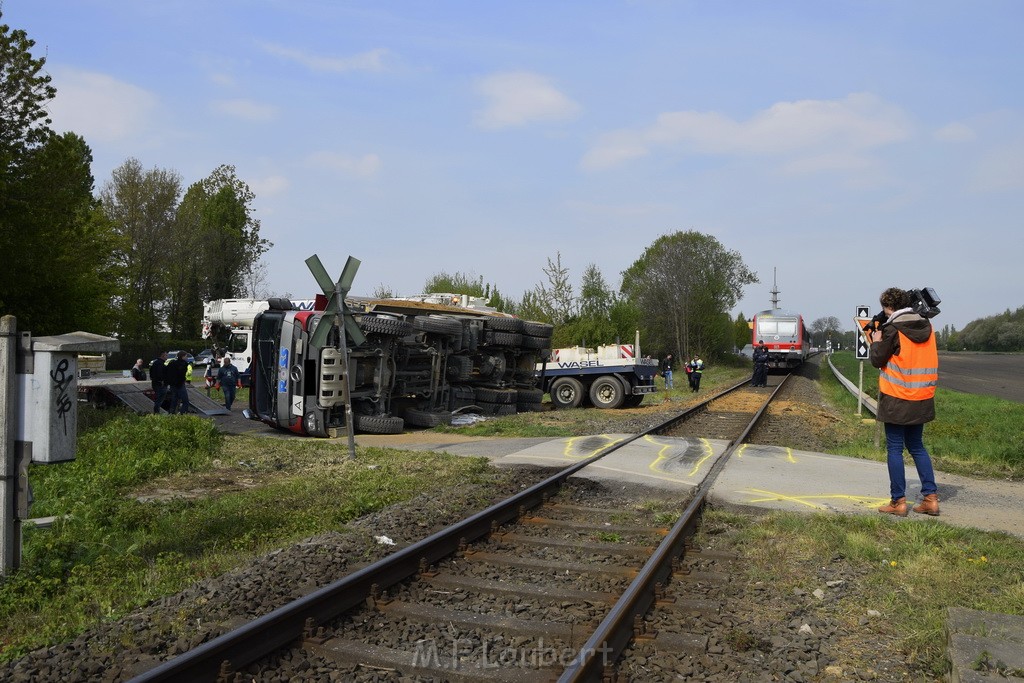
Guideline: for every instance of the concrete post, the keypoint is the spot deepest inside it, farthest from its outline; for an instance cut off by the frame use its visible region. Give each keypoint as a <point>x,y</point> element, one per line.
<point>10,527</point>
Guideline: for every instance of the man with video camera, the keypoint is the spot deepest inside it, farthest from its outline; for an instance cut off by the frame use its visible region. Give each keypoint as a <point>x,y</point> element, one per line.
<point>903,349</point>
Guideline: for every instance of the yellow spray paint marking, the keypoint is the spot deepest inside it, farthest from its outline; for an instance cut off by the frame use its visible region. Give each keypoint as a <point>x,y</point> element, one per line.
<point>743,447</point>
<point>768,496</point>
<point>663,453</point>
<point>789,455</point>
<point>570,446</point>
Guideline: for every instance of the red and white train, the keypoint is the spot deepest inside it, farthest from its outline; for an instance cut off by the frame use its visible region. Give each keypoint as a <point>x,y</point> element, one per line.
<point>785,335</point>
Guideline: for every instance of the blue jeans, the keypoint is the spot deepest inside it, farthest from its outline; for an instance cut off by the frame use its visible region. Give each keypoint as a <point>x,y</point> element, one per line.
<point>161,392</point>
<point>179,397</point>
<point>910,436</point>
<point>229,394</point>
<point>668,379</point>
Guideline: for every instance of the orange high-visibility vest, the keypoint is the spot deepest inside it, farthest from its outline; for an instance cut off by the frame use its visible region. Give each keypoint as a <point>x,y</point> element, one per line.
<point>912,373</point>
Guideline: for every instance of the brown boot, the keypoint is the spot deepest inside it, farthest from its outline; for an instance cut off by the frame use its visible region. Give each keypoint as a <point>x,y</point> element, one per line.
<point>929,505</point>
<point>896,506</point>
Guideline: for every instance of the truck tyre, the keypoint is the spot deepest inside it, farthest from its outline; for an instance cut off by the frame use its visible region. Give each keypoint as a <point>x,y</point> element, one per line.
<point>438,325</point>
<point>379,424</point>
<point>502,324</point>
<point>606,392</point>
<point>384,324</point>
<point>492,395</point>
<point>427,418</point>
<point>566,392</point>
<point>530,396</point>
<point>530,342</point>
<point>507,338</point>
<point>529,400</point>
<point>536,329</point>
<point>633,400</point>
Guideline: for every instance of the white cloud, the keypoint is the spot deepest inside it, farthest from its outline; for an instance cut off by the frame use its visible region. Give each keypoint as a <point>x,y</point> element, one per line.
<point>518,98</point>
<point>245,109</point>
<point>955,132</point>
<point>365,166</point>
<point>99,107</point>
<point>372,60</point>
<point>850,126</point>
<point>271,186</point>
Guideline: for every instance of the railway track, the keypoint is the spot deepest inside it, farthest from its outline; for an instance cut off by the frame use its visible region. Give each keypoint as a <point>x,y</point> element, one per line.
<point>534,588</point>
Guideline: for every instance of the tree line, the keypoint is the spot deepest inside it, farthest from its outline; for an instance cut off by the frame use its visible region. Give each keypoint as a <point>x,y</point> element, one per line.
<point>135,260</point>
<point>678,293</point>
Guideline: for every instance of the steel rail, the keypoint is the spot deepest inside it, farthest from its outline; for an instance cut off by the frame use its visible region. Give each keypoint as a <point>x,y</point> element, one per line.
<point>618,628</point>
<point>288,622</point>
<point>237,648</point>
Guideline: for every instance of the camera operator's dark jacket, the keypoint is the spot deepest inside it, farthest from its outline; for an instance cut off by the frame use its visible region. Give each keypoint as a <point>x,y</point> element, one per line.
<point>918,330</point>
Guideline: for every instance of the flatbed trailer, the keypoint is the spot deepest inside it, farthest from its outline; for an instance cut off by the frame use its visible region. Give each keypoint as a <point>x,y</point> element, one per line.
<point>606,377</point>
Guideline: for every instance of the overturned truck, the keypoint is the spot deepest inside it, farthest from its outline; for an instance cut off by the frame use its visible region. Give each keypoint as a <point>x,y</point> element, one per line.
<point>409,362</point>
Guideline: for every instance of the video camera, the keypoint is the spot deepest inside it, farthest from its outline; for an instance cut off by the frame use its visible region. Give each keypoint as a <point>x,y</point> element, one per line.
<point>925,302</point>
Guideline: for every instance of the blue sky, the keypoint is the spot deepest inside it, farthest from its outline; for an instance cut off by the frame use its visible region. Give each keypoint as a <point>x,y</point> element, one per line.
<point>846,145</point>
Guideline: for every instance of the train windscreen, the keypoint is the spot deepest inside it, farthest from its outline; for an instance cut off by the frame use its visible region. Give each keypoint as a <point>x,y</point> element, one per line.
<point>782,328</point>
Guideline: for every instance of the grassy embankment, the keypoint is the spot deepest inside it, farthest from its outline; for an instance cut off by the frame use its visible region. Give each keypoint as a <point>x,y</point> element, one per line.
<point>971,435</point>
<point>110,552</point>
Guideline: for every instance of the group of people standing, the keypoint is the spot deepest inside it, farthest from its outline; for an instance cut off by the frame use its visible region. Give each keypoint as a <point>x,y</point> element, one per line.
<point>170,378</point>
<point>694,370</point>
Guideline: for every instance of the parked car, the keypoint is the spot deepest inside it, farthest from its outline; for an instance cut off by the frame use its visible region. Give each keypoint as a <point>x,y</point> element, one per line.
<point>188,356</point>
<point>205,357</point>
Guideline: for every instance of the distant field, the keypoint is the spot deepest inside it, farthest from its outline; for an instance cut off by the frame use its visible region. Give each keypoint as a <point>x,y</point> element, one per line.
<point>991,374</point>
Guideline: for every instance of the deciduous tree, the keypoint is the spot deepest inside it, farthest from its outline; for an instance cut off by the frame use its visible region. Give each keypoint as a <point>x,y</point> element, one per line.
<point>683,284</point>
<point>142,206</point>
<point>55,244</point>
<point>824,329</point>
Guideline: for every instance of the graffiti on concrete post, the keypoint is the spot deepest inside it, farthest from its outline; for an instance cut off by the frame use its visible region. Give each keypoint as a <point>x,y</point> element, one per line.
<point>61,381</point>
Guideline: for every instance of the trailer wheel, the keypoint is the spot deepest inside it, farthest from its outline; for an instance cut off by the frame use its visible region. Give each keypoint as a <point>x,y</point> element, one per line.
<point>606,392</point>
<point>566,392</point>
<point>629,399</point>
<point>379,424</point>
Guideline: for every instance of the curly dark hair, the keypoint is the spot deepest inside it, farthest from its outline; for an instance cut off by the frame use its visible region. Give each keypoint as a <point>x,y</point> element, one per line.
<point>894,298</point>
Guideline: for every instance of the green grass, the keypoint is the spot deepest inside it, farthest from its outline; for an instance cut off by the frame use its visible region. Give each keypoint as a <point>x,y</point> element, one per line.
<point>912,571</point>
<point>971,435</point>
<point>109,553</point>
<point>584,421</point>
